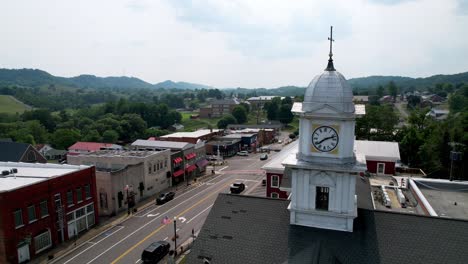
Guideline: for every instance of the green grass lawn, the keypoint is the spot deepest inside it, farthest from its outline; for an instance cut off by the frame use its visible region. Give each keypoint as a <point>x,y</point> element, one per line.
<point>9,105</point>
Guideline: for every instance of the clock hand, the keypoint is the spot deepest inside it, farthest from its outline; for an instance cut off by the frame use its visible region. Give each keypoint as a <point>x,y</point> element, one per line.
<point>327,138</point>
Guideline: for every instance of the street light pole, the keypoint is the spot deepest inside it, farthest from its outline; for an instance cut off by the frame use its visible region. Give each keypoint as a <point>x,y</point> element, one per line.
<point>128,200</point>
<point>175,236</point>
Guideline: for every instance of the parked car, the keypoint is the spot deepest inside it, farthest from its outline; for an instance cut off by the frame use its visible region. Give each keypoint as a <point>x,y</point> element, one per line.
<point>165,197</point>
<point>237,187</point>
<point>263,157</point>
<point>155,252</point>
<point>243,153</point>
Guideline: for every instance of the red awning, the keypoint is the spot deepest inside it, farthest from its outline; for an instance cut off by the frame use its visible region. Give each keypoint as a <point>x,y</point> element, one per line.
<point>191,168</point>
<point>177,160</point>
<point>178,173</point>
<point>190,156</point>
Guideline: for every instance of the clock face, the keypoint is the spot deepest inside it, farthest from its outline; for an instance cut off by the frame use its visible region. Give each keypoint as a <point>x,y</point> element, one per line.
<point>325,138</point>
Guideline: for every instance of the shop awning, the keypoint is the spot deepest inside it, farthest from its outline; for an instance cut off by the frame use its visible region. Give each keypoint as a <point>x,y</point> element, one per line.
<point>177,160</point>
<point>190,156</point>
<point>178,173</point>
<point>191,168</point>
<point>202,163</point>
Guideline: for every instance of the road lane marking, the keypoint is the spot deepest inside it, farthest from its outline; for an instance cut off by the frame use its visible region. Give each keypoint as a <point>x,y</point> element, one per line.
<point>182,219</point>
<point>247,180</point>
<point>152,215</point>
<point>223,168</point>
<point>165,238</point>
<point>92,243</point>
<point>137,261</point>
<point>99,241</point>
<point>150,211</point>
<point>224,186</point>
<point>199,213</point>
<point>161,227</point>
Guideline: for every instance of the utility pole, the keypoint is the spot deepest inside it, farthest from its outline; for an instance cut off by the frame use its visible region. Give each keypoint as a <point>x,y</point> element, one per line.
<point>454,156</point>
<point>175,236</point>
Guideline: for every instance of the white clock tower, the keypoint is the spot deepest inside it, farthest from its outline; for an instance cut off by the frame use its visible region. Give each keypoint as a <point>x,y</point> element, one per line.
<point>323,173</point>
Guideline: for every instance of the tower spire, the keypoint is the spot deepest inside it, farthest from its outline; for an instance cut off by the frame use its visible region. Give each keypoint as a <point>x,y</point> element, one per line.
<point>330,66</point>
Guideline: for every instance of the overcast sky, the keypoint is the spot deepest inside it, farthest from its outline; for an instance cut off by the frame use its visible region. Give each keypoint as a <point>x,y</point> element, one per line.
<point>234,43</point>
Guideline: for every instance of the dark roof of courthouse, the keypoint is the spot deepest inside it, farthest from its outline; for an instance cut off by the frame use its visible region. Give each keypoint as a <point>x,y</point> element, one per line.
<point>247,229</point>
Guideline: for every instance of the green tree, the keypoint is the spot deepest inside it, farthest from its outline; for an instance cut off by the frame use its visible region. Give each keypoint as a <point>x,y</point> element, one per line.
<point>380,91</point>
<point>246,106</point>
<point>285,115</point>
<point>37,131</point>
<point>240,114</point>
<point>225,121</point>
<point>409,146</point>
<point>64,138</point>
<point>457,103</point>
<point>110,136</point>
<point>393,90</point>
<point>92,136</point>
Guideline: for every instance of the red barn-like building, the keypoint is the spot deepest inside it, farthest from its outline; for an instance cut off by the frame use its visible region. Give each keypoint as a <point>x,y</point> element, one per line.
<point>379,156</point>
<point>42,205</point>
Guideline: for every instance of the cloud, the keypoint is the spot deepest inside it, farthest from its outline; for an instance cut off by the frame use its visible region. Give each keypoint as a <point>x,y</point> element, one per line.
<point>261,43</point>
<point>258,31</point>
<point>462,7</point>
<point>389,2</point>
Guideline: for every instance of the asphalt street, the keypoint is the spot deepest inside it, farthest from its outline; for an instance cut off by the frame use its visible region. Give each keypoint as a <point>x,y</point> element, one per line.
<point>125,242</point>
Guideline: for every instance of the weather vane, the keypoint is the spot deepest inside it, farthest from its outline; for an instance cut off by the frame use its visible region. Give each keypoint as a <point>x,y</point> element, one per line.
<point>330,66</point>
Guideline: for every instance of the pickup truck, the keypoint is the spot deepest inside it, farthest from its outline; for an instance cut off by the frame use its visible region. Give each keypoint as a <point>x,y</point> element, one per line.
<point>237,187</point>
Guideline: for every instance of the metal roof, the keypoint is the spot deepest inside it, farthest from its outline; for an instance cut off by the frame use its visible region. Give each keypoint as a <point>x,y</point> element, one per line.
<point>376,150</point>
<point>30,173</point>
<point>161,144</point>
<point>330,88</point>
<point>194,134</point>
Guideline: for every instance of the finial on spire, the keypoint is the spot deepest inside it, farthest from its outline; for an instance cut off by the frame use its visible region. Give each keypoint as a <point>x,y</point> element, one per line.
<point>330,66</point>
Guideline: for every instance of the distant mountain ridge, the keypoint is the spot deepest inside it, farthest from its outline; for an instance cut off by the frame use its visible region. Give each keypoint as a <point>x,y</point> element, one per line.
<point>35,78</point>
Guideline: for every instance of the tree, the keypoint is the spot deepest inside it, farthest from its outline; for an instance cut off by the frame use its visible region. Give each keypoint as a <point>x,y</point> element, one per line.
<point>110,136</point>
<point>457,103</point>
<point>246,106</point>
<point>272,110</point>
<point>380,91</point>
<point>240,114</point>
<point>413,101</point>
<point>64,138</point>
<point>43,116</point>
<point>37,131</point>
<point>92,136</point>
<point>409,146</point>
<point>393,90</point>
<point>225,121</point>
<point>285,116</point>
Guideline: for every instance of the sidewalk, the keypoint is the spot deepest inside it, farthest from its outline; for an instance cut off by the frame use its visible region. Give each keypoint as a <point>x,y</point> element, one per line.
<point>63,249</point>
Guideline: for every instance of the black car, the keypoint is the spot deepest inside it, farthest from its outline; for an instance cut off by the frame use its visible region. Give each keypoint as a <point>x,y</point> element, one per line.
<point>165,197</point>
<point>263,157</point>
<point>237,187</point>
<point>155,252</point>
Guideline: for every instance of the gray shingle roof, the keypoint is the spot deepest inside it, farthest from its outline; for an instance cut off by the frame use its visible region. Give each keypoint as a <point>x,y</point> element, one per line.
<point>243,229</point>
<point>262,234</point>
<point>12,151</point>
<point>383,237</point>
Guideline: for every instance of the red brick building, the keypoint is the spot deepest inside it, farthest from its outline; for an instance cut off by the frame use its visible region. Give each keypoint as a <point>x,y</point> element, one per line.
<point>42,205</point>
<point>275,171</point>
